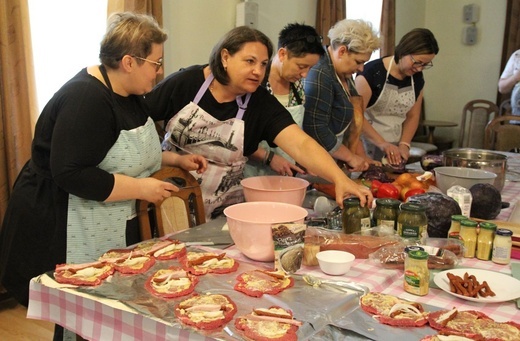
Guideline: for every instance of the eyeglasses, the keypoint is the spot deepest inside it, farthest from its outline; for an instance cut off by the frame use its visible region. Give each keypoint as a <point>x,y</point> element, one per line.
<point>310,39</point>
<point>417,64</point>
<point>158,64</point>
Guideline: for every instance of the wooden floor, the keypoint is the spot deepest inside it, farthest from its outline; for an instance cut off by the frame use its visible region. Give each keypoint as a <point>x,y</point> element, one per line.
<point>15,326</point>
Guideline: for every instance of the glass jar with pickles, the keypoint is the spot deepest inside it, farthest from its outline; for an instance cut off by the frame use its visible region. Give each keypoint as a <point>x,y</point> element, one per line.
<point>485,240</point>
<point>355,218</point>
<point>468,235</point>
<point>412,221</point>
<point>385,214</point>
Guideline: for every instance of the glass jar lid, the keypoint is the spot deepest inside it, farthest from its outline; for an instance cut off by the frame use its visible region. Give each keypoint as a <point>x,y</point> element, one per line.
<point>387,202</point>
<point>413,207</point>
<point>468,223</point>
<point>418,254</point>
<point>410,248</point>
<point>488,226</point>
<point>504,232</point>
<point>353,201</point>
<point>458,217</point>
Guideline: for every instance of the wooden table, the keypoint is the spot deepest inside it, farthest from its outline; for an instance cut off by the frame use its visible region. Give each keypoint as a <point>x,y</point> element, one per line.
<point>431,125</point>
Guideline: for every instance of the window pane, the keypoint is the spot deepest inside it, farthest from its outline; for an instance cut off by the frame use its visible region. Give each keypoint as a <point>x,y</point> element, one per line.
<point>65,38</point>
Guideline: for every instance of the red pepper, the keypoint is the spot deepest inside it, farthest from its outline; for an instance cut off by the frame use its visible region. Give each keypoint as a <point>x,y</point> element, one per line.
<point>412,192</point>
<point>374,187</point>
<point>387,190</point>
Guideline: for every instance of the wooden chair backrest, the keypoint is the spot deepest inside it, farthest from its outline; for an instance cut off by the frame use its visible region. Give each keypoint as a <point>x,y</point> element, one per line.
<point>184,209</point>
<point>502,136</point>
<point>476,115</point>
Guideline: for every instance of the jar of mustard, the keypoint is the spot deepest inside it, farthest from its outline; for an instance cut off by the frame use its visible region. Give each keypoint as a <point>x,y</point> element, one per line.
<point>355,218</point>
<point>385,214</point>
<point>416,273</point>
<point>412,221</point>
<point>485,240</point>
<point>468,235</point>
<point>502,245</point>
<point>454,230</point>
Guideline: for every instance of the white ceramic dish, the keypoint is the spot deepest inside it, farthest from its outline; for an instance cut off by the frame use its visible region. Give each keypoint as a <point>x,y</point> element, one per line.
<point>447,177</point>
<point>505,287</point>
<point>335,262</point>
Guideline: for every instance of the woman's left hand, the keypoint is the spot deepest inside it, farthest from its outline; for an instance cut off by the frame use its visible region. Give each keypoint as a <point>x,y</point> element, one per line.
<point>393,153</point>
<point>192,162</point>
<point>282,166</point>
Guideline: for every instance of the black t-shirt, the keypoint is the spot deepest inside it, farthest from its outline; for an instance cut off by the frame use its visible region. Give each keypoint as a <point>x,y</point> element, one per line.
<point>375,74</point>
<point>264,118</point>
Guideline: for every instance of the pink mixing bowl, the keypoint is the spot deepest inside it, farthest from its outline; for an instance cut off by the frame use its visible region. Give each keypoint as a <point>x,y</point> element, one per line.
<point>250,226</point>
<point>285,189</point>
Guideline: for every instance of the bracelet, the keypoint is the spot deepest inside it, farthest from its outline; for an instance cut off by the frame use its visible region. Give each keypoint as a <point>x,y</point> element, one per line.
<point>269,158</point>
<point>406,144</point>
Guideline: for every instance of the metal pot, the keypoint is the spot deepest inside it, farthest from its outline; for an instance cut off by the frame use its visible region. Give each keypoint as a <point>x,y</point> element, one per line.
<point>479,159</point>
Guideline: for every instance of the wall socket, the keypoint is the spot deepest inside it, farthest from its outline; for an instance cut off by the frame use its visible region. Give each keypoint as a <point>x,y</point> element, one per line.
<point>469,35</point>
<point>247,14</point>
<point>470,14</point>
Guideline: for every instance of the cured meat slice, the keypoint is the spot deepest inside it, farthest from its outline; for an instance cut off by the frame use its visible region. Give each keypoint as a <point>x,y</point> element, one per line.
<point>171,282</point>
<point>206,312</point>
<point>134,265</point>
<point>162,249</point>
<point>201,263</point>
<point>391,310</point>
<point>83,274</point>
<point>259,282</point>
<point>274,323</point>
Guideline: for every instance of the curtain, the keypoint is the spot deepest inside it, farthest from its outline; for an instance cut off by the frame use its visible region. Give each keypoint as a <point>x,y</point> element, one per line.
<point>18,107</point>
<point>511,38</point>
<point>387,28</point>
<point>327,14</point>
<point>152,7</point>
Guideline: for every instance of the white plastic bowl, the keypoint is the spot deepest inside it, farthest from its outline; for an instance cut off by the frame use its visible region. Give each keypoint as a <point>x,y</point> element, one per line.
<point>250,226</point>
<point>287,189</point>
<point>335,262</point>
<point>448,176</point>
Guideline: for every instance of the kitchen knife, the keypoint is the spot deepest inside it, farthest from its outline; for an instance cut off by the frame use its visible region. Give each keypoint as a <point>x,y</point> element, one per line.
<point>515,271</point>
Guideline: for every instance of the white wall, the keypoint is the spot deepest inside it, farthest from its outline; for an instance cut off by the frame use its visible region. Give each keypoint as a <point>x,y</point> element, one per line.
<point>461,73</point>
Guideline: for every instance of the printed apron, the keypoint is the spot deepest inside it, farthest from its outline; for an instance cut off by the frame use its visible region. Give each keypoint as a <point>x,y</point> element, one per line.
<point>388,113</point>
<point>94,227</point>
<point>193,130</point>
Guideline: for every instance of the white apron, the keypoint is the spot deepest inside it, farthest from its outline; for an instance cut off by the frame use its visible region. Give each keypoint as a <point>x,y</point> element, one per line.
<point>193,130</point>
<point>388,113</point>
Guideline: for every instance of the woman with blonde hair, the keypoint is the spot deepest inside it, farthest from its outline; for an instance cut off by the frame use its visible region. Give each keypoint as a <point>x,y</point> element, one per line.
<point>329,87</point>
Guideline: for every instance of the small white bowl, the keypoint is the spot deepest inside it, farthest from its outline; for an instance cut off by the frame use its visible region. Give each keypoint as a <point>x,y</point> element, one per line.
<point>335,262</point>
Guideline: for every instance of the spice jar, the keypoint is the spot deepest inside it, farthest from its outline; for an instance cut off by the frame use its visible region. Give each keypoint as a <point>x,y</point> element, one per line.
<point>416,273</point>
<point>355,217</point>
<point>502,246</point>
<point>412,221</point>
<point>485,240</point>
<point>454,230</point>
<point>468,235</point>
<point>385,214</point>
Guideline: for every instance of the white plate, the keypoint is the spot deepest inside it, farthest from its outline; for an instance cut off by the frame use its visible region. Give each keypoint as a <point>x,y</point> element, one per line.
<point>505,287</point>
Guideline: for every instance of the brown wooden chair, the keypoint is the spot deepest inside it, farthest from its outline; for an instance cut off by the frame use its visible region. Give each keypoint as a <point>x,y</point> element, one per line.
<point>500,135</point>
<point>184,209</point>
<point>476,115</point>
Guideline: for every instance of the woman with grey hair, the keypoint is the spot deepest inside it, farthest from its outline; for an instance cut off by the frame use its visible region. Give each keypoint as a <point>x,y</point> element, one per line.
<point>221,111</point>
<point>329,86</point>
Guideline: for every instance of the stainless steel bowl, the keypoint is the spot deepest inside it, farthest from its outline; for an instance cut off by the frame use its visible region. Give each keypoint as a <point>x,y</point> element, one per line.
<point>479,159</point>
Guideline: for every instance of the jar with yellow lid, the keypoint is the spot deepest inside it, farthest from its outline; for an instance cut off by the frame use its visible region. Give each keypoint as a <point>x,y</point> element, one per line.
<point>468,235</point>
<point>412,221</point>
<point>416,273</point>
<point>454,230</point>
<point>385,214</point>
<point>355,218</point>
<point>485,240</point>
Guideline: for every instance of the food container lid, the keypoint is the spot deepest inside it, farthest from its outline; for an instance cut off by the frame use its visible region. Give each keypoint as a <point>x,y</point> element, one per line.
<point>487,225</point>
<point>413,207</point>
<point>418,254</point>
<point>504,232</point>
<point>387,202</point>
<point>468,223</point>
<point>354,201</point>
<point>413,248</point>
<point>459,217</point>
